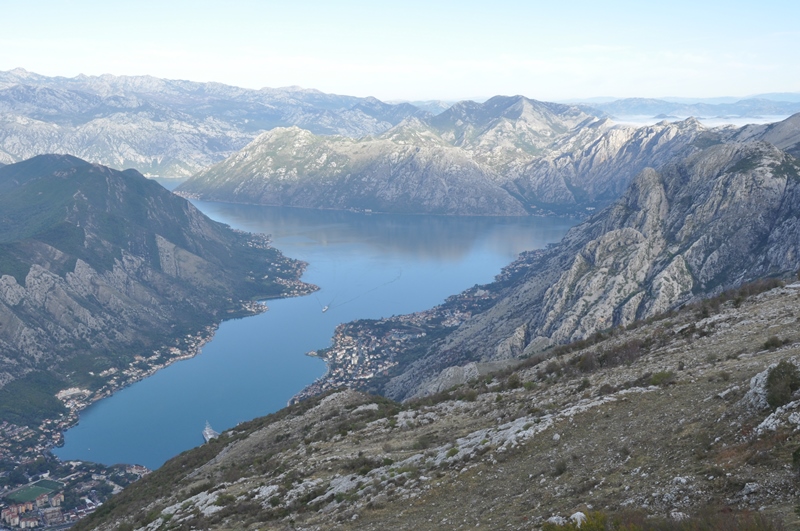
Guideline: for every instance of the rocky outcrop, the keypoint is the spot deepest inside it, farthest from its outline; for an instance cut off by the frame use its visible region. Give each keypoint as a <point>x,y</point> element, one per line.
<point>724,216</point>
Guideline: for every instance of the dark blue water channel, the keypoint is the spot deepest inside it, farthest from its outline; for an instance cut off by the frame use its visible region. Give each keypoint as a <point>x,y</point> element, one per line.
<point>367,266</point>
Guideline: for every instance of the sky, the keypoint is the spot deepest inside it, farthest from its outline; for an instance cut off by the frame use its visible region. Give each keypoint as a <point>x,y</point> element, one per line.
<point>420,50</point>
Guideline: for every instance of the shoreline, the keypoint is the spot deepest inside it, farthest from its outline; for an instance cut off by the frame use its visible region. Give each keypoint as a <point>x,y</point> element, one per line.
<point>77,400</point>
<point>177,348</point>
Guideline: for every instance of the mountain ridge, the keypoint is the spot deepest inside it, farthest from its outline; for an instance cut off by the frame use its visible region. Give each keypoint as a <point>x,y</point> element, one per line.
<point>98,265</point>
<point>547,158</point>
<point>166,127</point>
<point>665,422</point>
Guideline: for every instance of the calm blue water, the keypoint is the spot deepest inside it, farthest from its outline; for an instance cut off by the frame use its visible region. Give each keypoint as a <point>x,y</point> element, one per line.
<point>366,266</point>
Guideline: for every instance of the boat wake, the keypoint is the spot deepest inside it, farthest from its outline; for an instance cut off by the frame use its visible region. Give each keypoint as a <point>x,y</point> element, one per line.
<point>331,304</point>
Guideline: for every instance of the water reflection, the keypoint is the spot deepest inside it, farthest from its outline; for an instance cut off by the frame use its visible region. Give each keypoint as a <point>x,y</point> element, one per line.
<point>366,267</point>
<point>420,237</point>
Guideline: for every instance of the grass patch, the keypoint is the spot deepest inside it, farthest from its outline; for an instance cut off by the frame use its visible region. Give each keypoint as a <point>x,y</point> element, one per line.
<point>33,491</point>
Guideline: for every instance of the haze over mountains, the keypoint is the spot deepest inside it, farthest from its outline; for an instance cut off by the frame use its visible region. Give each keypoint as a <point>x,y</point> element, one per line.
<point>756,107</point>
<point>98,266</point>
<point>166,127</point>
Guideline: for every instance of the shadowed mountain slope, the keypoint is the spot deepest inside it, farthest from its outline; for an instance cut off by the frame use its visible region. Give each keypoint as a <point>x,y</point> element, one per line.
<point>98,265</point>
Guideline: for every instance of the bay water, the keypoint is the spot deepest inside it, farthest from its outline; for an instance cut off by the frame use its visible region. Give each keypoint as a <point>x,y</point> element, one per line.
<point>367,266</point>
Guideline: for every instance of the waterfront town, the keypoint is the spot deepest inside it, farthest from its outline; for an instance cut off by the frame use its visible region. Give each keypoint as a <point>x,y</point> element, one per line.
<point>62,494</point>
<point>366,350</point>
<point>38,490</point>
<point>74,489</point>
<point>362,351</point>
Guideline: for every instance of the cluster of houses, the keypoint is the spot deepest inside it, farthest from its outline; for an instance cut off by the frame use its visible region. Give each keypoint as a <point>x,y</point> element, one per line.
<point>45,509</point>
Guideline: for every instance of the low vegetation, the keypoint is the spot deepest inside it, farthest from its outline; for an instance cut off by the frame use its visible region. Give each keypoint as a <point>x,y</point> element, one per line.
<point>782,381</point>
<point>640,521</point>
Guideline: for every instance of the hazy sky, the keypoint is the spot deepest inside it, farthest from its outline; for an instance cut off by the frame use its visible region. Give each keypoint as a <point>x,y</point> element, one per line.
<point>420,49</point>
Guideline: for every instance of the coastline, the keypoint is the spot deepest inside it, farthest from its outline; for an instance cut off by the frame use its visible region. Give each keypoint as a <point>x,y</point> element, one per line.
<point>175,349</point>
<point>76,399</point>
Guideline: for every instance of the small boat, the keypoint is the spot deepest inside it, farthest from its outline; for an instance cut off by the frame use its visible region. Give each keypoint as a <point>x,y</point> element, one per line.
<point>324,309</point>
<point>209,433</point>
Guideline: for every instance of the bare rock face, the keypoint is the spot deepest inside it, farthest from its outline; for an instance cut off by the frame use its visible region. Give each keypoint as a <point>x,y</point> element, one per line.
<point>600,166</point>
<point>724,216</point>
<point>408,169</point>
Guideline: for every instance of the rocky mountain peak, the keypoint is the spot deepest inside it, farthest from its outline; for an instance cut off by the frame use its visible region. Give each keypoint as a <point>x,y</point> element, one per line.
<point>725,215</point>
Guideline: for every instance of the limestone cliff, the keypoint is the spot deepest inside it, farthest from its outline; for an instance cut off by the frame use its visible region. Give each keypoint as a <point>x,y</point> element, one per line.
<point>724,216</point>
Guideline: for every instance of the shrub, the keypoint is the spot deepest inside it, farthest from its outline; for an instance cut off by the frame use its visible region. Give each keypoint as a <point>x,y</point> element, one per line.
<point>452,451</point>
<point>513,382</point>
<point>559,468</point>
<point>662,378</point>
<point>772,343</point>
<point>362,464</point>
<point>423,442</point>
<point>782,381</point>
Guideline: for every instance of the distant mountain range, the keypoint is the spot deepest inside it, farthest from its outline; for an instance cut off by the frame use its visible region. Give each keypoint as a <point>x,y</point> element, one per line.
<point>454,163</point>
<point>174,128</point>
<point>506,156</point>
<point>748,108</point>
<point>167,127</point>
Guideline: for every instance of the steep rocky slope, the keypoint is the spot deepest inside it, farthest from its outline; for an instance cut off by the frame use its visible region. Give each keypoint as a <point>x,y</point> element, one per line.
<point>539,157</point>
<point>166,127</point>
<point>670,418</point>
<point>596,165</point>
<point>407,169</point>
<point>98,265</point>
<point>724,216</point>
